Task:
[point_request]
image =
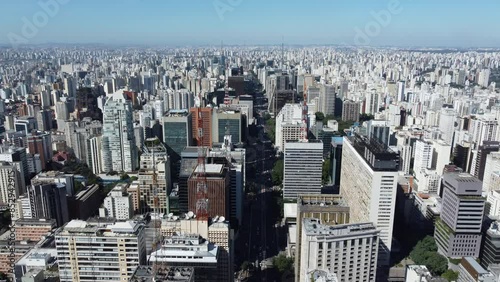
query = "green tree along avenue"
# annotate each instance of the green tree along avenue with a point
(271, 128)
(425, 253)
(277, 172)
(325, 178)
(283, 263)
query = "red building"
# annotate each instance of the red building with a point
(218, 190)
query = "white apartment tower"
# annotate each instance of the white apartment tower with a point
(447, 118)
(288, 125)
(423, 158)
(349, 250)
(368, 184)
(118, 204)
(118, 142)
(303, 169)
(94, 154)
(100, 251)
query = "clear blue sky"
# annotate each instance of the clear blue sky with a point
(457, 23)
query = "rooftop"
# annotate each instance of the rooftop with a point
(314, 227)
(164, 274)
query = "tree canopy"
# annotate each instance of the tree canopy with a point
(450, 275)
(425, 253)
(326, 171)
(277, 172)
(320, 116)
(283, 263)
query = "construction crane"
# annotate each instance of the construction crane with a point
(201, 178)
(304, 116)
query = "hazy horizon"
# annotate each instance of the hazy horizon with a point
(398, 23)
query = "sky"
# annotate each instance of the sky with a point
(424, 23)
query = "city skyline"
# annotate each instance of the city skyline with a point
(400, 23)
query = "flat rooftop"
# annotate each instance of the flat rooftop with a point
(179, 274)
(211, 169)
(314, 227)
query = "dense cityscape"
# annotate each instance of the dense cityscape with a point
(248, 162)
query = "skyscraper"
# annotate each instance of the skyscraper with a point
(349, 250)
(447, 118)
(177, 132)
(368, 184)
(90, 251)
(458, 232)
(218, 190)
(327, 99)
(48, 200)
(118, 142)
(350, 111)
(155, 163)
(302, 169)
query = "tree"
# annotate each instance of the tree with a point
(425, 253)
(277, 172)
(283, 263)
(365, 117)
(78, 186)
(319, 116)
(326, 172)
(124, 176)
(450, 275)
(246, 265)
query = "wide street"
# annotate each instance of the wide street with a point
(258, 234)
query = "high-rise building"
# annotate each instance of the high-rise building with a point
(229, 119)
(177, 132)
(327, 99)
(447, 118)
(423, 158)
(288, 125)
(372, 102)
(350, 111)
(118, 204)
(490, 249)
(182, 249)
(303, 164)
(155, 163)
(368, 184)
(48, 200)
(348, 250)
(8, 170)
(94, 154)
(336, 159)
(206, 116)
(401, 91)
(458, 232)
(90, 251)
(40, 143)
(483, 151)
(330, 209)
(492, 165)
(216, 231)
(44, 120)
(118, 142)
(218, 189)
